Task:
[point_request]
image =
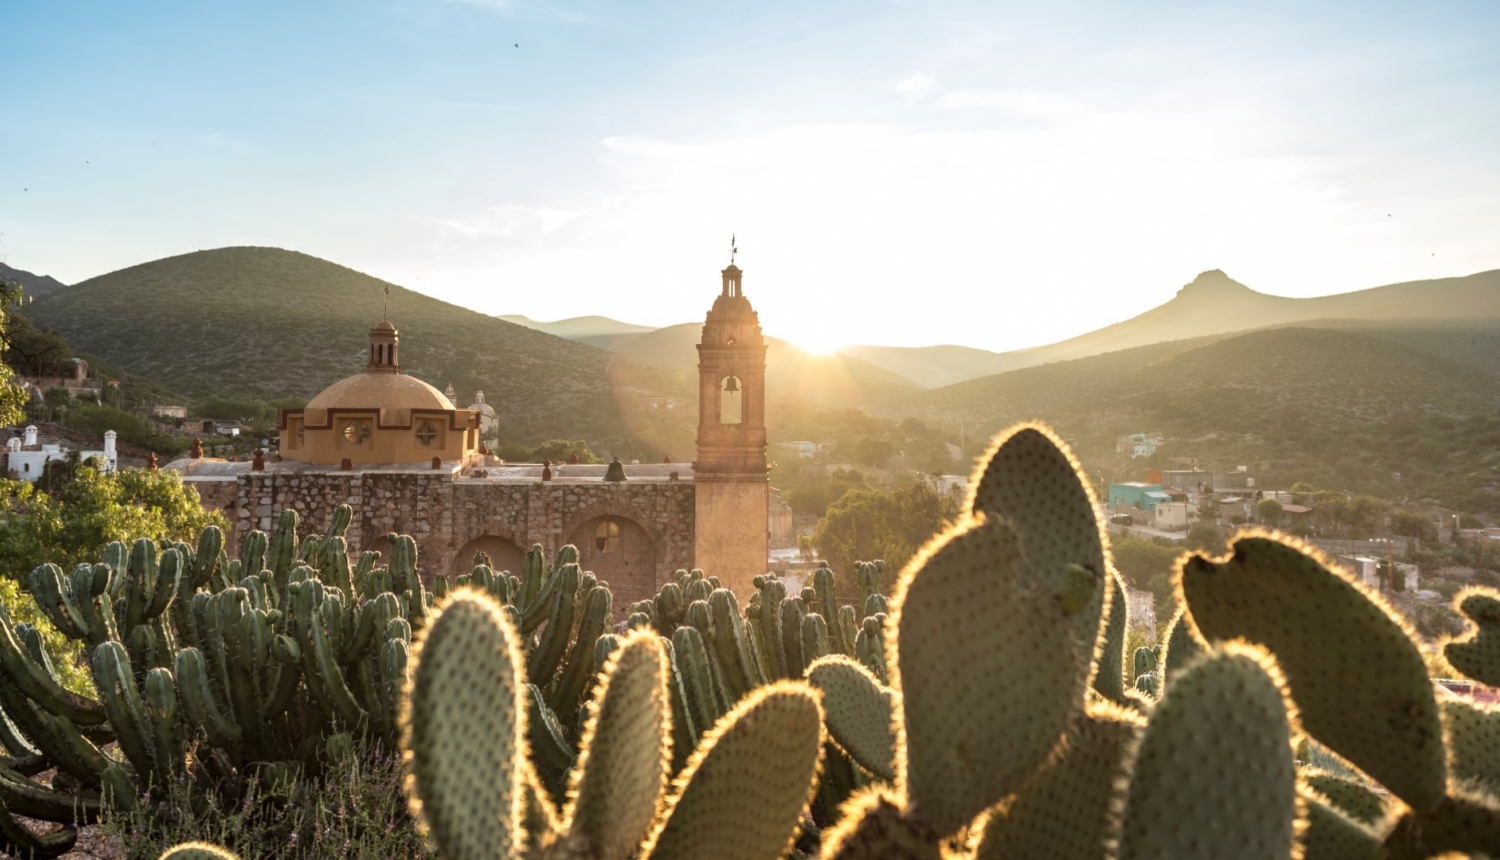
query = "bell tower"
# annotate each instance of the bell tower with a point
(729, 475)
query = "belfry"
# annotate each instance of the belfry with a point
(730, 472)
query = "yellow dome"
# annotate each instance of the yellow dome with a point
(383, 391)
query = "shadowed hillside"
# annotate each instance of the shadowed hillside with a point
(1363, 410)
(36, 286)
(272, 323)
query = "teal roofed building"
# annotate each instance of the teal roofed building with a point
(1134, 494)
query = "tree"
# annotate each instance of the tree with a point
(12, 396)
(560, 450)
(83, 510)
(1206, 538)
(1331, 508)
(1269, 511)
(1208, 509)
(1302, 493)
(867, 524)
(1365, 512)
(873, 452)
(34, 351)
(1414, 524)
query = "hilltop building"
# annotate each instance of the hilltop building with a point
(398, 451)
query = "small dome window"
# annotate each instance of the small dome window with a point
(357, 431)
(427, 433)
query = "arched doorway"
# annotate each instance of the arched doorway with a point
(504, 554)
(619, 552)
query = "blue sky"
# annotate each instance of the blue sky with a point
(994, 174)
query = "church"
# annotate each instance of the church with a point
(409, 461)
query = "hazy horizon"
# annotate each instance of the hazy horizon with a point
(896, 175)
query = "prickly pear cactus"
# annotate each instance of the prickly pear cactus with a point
(1477, 653)
(1307, 612)
(1229, 706)
(463, 719)
(858, 710)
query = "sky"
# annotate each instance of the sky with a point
(996, 174)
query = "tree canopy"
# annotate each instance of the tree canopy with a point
(866, 524)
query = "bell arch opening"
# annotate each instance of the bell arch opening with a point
(731, 401)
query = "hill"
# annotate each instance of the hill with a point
(36, 286)
(793, 375)
(271, 323)
(579, 328)
(1216, 304)
(931, 366)
(1342, 408)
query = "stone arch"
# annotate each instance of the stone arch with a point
(504, 553)
(619, 549)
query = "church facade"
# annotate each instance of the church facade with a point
(397, 450)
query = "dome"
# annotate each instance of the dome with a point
(383, 391)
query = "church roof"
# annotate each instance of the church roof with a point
(380, 391)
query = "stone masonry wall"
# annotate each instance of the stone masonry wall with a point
(443, 513)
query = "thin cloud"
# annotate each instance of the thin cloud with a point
(916, 86)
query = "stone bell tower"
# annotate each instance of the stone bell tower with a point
(731, 484)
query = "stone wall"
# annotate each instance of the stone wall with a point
(444, 513)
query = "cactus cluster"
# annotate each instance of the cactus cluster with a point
(991, 715)
(209, 669)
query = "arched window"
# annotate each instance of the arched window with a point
(731, 401)
(607, 538)
(427, 433)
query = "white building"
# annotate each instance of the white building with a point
(26, 460)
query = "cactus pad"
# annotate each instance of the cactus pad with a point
(1031, 479)
(1477, 653)
(1182, 647)
(1332, 835)
(872, 827)
(1184, 799)
(746, 786)
(858, 711)
(1473, 743)
(1063, 811)
(1349, 795)
(198, 851)
(625, 757)
(974, 640)
(464, 730)
(1378, 710)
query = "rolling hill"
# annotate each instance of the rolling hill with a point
(1215, 304)
(792, 374)
(36, 286)
(272, 323)
(579, 328)
(1363, 409)
(932, 366)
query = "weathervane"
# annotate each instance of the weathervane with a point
(732, 249)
